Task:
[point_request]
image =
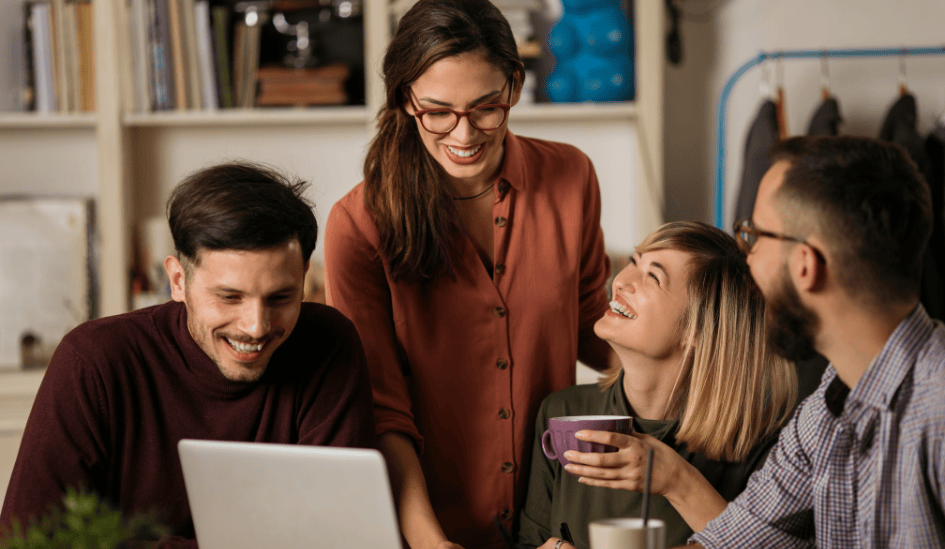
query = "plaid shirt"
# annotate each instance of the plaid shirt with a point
(861, 468)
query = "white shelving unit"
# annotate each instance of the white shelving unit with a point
(138, 157)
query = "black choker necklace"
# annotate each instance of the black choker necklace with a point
(476, 196)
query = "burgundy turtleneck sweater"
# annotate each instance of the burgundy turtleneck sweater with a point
(120, 392)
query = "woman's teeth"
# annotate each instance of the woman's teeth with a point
(620, 309)
(244, 347)
(464, 153)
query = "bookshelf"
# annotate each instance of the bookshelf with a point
(128, 161)
(139, 156)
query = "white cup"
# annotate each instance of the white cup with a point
(627, 533)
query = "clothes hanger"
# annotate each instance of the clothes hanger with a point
(764, 85)
(824, 78)
(779, 96)
(903, 86)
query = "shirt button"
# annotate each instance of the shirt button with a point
(502, 363)
(507, 467)
(499, 268)
(506, 514)
(499, 312)
(500, 221)
(504, 413)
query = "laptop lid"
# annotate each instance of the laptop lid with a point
(247, 495)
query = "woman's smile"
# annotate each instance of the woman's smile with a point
(465, 155)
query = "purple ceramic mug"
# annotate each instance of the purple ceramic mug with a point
(559, 437)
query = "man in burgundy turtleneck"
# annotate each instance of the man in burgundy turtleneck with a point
(235, 356)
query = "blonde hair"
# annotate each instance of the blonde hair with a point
(732, 391)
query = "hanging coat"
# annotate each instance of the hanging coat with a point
(762, 135)
(900, 127)
(826, 119)
(935, 148)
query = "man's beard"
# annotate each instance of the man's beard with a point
(790, 326)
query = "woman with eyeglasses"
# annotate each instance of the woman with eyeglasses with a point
(706, 395)
(472, 262)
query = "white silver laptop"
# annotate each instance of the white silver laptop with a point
(250, 495)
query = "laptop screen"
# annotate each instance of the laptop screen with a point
(247, 495)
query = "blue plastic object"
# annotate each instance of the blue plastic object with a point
(593, 48)
(581, 6)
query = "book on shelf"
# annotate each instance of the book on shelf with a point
(57, 61)
(14, 50)
(86, 51)
(140, 73)
(221, 51)
(28, 86)
(178, 60)
(60, 68)
(208, 79)
(191, 61)
(127, 87)
(39, 21)
(245, 63)
(282, 86)
(70, 49)
(203, 54)
(239, 44)
(161, 66)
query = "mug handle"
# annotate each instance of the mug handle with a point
(546, 446)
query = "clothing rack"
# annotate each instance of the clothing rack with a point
(779, 55)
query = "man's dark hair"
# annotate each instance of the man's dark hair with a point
(239, 206)
(870, 204)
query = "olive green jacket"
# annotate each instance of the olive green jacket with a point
(555, 496)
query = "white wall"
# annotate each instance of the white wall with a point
(734, 31)
(66, 165)
(329, 157)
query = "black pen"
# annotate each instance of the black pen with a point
(566, 533)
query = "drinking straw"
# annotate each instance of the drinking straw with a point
(646, 486)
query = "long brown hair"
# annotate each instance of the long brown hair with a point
(417, 222)
(732, 391)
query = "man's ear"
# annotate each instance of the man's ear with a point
(808, 270)
(176, 276)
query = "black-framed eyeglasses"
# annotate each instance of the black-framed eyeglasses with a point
(746, 234)
(441, 120)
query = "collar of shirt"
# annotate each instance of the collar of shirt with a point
(616, 403)
(886, 372)
(513, 165)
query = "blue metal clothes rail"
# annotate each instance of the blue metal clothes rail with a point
(786, 54)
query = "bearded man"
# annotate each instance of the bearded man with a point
(835, 243)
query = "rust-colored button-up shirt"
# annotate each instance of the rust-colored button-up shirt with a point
(462, 366)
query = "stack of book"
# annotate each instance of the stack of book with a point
(281, 86)
(60, 64)
(190, 54)
(177, 57)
